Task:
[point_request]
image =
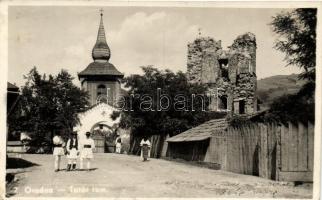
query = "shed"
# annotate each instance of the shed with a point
(192, 145)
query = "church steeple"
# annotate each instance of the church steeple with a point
(101, 51)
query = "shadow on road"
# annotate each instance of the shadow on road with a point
(16, 163)
(78, 170)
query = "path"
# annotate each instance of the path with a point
(126, 176)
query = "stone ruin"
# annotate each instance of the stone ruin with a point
(230, 75)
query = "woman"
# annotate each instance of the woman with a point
(58, 150)
(118, 144)
(145, 148)
(87, 147)
(72, 151)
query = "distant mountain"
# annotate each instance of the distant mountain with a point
(273, 87)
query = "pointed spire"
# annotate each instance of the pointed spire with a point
(101, 51)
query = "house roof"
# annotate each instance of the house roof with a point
(14, 143)
(100, 68)
(202, 132)
(11, 86)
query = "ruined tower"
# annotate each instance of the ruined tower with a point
(230, 75)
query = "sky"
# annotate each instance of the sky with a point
(55, 38)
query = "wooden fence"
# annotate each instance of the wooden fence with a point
(275, 151)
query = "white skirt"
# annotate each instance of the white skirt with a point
(86, 153)
(72, 154)
(58, 151)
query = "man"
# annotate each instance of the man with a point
(86, 150)
(118, 144)
(72, 151)
(145, 148)
(58, 150)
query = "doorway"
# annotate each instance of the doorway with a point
(242, 107)
(103, 138)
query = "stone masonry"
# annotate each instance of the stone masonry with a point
(230, 75)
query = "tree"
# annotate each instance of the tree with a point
(70, 100)
(48, 105)
(142, 113)
(293, 107)
(297, 38)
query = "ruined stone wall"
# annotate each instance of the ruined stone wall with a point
(245, 46)
(202, 57)
(221, 88)
(209, 67)
(245, 89)
(229, 73)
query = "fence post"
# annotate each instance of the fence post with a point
(293, 141)
(278, 151)
(302, 147)
(310, 146)
(224, 161)
(263, 152)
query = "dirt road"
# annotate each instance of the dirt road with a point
(126, 176)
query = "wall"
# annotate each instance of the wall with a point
(281, 152)
(197, 51)
(99, 113)
(231, 72)
(113, 92)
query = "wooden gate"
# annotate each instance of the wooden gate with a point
(296, 151)
(99, 141)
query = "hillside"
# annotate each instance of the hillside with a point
(273, 87)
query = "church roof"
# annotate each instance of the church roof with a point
(101, 50)
(98, 68)
(101, 54)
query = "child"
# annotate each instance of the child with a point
(58, 150)
(87, 147)
(145, 148)
(72, 151)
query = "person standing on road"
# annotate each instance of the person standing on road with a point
(145, 148)
(58, 150)
(118, 144)
(87, 147)
(72, 151)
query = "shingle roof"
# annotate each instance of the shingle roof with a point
(202, 132)
(14, 143)
(98, 68)
(12, 86)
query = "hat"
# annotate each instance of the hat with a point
(87, 133)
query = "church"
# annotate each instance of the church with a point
(102, 81)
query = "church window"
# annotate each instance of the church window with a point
(101, 90)
(102, 94)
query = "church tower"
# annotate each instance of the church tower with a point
(100, 78)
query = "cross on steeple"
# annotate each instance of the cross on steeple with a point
(101, 10)
(199, 32)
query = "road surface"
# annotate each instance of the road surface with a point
(127, 176)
